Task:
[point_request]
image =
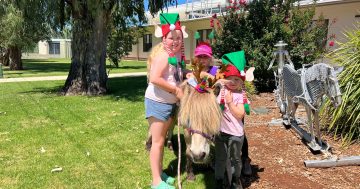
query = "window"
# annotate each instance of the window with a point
(147, 42)
(54, 47)
(203, 35)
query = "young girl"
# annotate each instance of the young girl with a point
(162, 93)
(204, 56)
(228, 144)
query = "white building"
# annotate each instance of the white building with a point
(196, 14)
(54, 48)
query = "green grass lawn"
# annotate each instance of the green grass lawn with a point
(98, 141)
(56, 67)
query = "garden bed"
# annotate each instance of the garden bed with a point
(278, 155)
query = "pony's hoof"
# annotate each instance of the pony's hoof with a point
(191, 177)
(170, 146)
(148, 145)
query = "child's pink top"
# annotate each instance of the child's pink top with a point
(156, 93)
(230, 124)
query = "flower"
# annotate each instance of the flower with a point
(331, 43)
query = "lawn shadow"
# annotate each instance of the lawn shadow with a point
(45, 90)
(126, 67)
(129, 88)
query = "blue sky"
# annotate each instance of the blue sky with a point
(146, 3)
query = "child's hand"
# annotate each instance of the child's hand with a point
(228, 97)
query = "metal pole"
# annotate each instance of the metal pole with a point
(333, 162)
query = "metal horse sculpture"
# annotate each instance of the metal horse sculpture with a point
(307, 86)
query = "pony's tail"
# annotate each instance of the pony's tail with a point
(154, 52)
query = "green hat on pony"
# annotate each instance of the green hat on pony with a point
(238, 60)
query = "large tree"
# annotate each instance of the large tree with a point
(22, 25)
(92, 21)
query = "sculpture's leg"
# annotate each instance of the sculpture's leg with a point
(288, 111)
(310, 123)
(317, 127)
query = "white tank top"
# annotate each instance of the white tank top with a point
(173, 77)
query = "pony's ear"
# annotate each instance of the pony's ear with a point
(158, 31)
(185, 35)
(250, 74)
(338, 70)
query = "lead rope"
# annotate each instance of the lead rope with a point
(179, 156)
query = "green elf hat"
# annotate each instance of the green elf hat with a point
(238, 60)
(170, 22)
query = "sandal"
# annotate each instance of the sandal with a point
(168, 179)
(163, 185)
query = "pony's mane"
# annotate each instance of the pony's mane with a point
(200, 110)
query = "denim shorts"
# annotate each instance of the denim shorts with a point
(159, 110)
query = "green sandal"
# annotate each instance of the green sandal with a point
(168, 179)
(163, 185)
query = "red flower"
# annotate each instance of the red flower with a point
(331, 43)
(242, 2)
(214, 16)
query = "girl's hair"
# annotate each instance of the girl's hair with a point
(154, 52)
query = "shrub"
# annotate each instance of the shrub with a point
(258, 26)
(345, 120)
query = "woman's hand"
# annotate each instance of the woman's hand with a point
(178, 93)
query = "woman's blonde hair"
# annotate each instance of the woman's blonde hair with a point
(154, 52)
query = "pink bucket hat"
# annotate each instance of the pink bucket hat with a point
(203, 49)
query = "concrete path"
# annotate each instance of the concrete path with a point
(53, 78)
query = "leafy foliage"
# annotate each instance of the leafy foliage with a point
(345, 120)
(22, 24)
(258, 26)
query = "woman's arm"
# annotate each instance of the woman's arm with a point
(159, 66)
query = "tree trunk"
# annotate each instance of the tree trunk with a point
(4, 59)
(87, 75)
(15, 58)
